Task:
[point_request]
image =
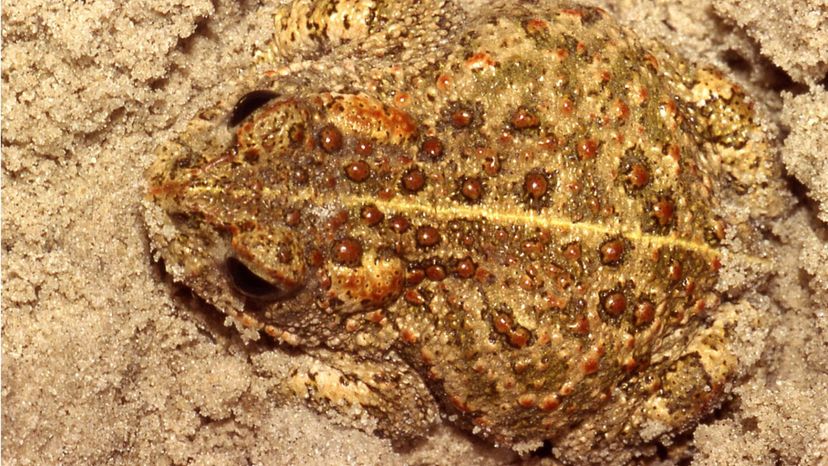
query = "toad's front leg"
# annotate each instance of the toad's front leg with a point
(307, 29)
(382, 392)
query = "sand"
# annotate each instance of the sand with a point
(104, 361)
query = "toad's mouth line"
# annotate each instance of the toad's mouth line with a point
(501, 216)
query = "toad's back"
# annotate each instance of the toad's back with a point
(527, 220)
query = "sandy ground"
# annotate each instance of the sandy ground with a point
(105, 362)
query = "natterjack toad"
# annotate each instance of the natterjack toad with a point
(510, 214)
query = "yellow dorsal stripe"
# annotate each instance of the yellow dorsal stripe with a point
(513, 217)
(498, 216)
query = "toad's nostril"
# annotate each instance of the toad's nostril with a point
(250, 284)
(248, 104)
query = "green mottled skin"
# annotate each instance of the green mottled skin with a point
(513, 321)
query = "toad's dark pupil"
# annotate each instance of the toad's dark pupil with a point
(248, 104)
(250, 284)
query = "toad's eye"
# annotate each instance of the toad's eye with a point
(250, 284)
(248, 104)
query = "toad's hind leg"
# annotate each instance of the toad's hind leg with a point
(382, 395)
(749, 170)
(730, 124)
